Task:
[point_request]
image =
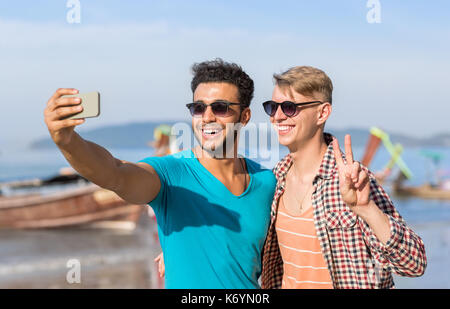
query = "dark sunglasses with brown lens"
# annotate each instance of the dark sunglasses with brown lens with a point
(219, 108)
(289, 108)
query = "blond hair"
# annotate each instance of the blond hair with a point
(307, 81)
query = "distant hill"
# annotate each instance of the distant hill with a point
(137, 135)
(359, 138)
(132, 135)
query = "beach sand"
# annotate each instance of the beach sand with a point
(124, 259)
(108, 258)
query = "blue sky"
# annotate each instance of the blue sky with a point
(137, 54)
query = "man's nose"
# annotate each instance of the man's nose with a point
(208, 115)
(279, 115)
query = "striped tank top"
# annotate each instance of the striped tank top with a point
(303, 263)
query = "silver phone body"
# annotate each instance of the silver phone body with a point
(91, 105)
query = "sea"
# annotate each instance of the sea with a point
(124, 258)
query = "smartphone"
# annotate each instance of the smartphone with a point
(90, 103)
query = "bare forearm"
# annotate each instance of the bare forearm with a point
(377, 220)
(137, 183)
(92, 161)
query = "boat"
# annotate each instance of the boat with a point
(77, 205)
(375, 138)
(439, 189)
(425, 191)
(164, 143)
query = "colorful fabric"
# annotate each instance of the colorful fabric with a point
(303, 264)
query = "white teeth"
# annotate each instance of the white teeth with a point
(211, 131)
(283, 128)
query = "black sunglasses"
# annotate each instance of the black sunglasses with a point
(219, 108)
(289, 108)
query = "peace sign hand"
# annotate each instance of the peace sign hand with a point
(353, 181)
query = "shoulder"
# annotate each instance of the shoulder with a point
(185, 154)
(260, 171)
(168, 162)
(280, 169)
(255, 166)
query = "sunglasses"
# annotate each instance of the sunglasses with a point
(289, 108)
(219, 108)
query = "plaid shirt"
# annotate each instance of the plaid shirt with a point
(353, 254)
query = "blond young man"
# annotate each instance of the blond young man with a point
(332, 225)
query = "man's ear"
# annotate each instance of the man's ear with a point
(324, 112)
(245, 116)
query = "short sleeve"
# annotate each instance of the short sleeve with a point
(160, 165)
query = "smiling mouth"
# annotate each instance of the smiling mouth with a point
(283, 129)
(210, 133)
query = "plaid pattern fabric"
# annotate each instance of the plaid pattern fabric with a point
(354, 256)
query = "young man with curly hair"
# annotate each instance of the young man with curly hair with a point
(212, 207)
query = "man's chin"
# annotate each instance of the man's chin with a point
(215, 147)
(215, 150)
(211, 148)
(285, 141)
(207, 145)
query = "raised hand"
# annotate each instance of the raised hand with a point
(353, 181)
(58, 107)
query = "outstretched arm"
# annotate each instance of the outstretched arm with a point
(136, 183)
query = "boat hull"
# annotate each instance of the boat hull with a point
(425, 192)
(80, 206)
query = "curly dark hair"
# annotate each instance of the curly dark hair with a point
(220, 71)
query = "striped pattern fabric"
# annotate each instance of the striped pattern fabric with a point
(354, 256)
(303, 264)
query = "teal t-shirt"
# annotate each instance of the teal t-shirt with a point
(210, 238)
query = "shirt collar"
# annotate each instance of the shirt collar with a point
(326, 167)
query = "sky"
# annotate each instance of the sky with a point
(394, 74)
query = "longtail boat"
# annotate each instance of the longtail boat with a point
(425, 191)
(440, 191)
(81, 205)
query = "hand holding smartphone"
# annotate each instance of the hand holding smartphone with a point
(90, 103)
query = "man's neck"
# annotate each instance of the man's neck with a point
(229, 164)
(308, 156)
